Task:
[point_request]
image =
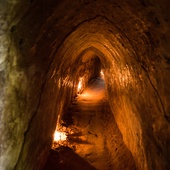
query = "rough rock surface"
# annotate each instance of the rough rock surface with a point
(95, 135)
(42, 48)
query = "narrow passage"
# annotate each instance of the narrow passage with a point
(93, 135)
(88, 121)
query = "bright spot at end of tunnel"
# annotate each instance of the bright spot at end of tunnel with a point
(59, 136)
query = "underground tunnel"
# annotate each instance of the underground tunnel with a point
(84, 84)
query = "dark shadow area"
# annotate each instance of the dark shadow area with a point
(64, 158)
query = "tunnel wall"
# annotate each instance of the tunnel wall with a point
(125, 76)
(135, 56)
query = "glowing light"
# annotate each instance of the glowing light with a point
(59, 136)
(80, 85)
(101, 73)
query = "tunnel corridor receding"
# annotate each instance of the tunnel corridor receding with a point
(92, 135)
(48, 47)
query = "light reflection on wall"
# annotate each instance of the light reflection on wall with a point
(102, 74)
(80, 85)
(59, 136)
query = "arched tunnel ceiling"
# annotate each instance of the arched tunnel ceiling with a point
(125, 72)
(132, 41)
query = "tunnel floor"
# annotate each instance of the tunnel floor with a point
(94, 140)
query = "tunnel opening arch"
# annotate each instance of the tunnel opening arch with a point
(124, 76)
(114, 58)
(85, 55)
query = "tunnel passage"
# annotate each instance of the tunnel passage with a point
(88, 67)
(88, 126)
(91, 133)
(42, 44)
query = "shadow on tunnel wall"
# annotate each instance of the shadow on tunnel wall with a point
(64, 158)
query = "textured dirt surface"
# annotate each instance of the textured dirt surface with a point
(46, 46)
(94, 135)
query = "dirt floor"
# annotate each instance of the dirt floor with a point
(93, 138)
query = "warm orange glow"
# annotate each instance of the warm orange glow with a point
(101, 73)
(59, 136)
(80, 85)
